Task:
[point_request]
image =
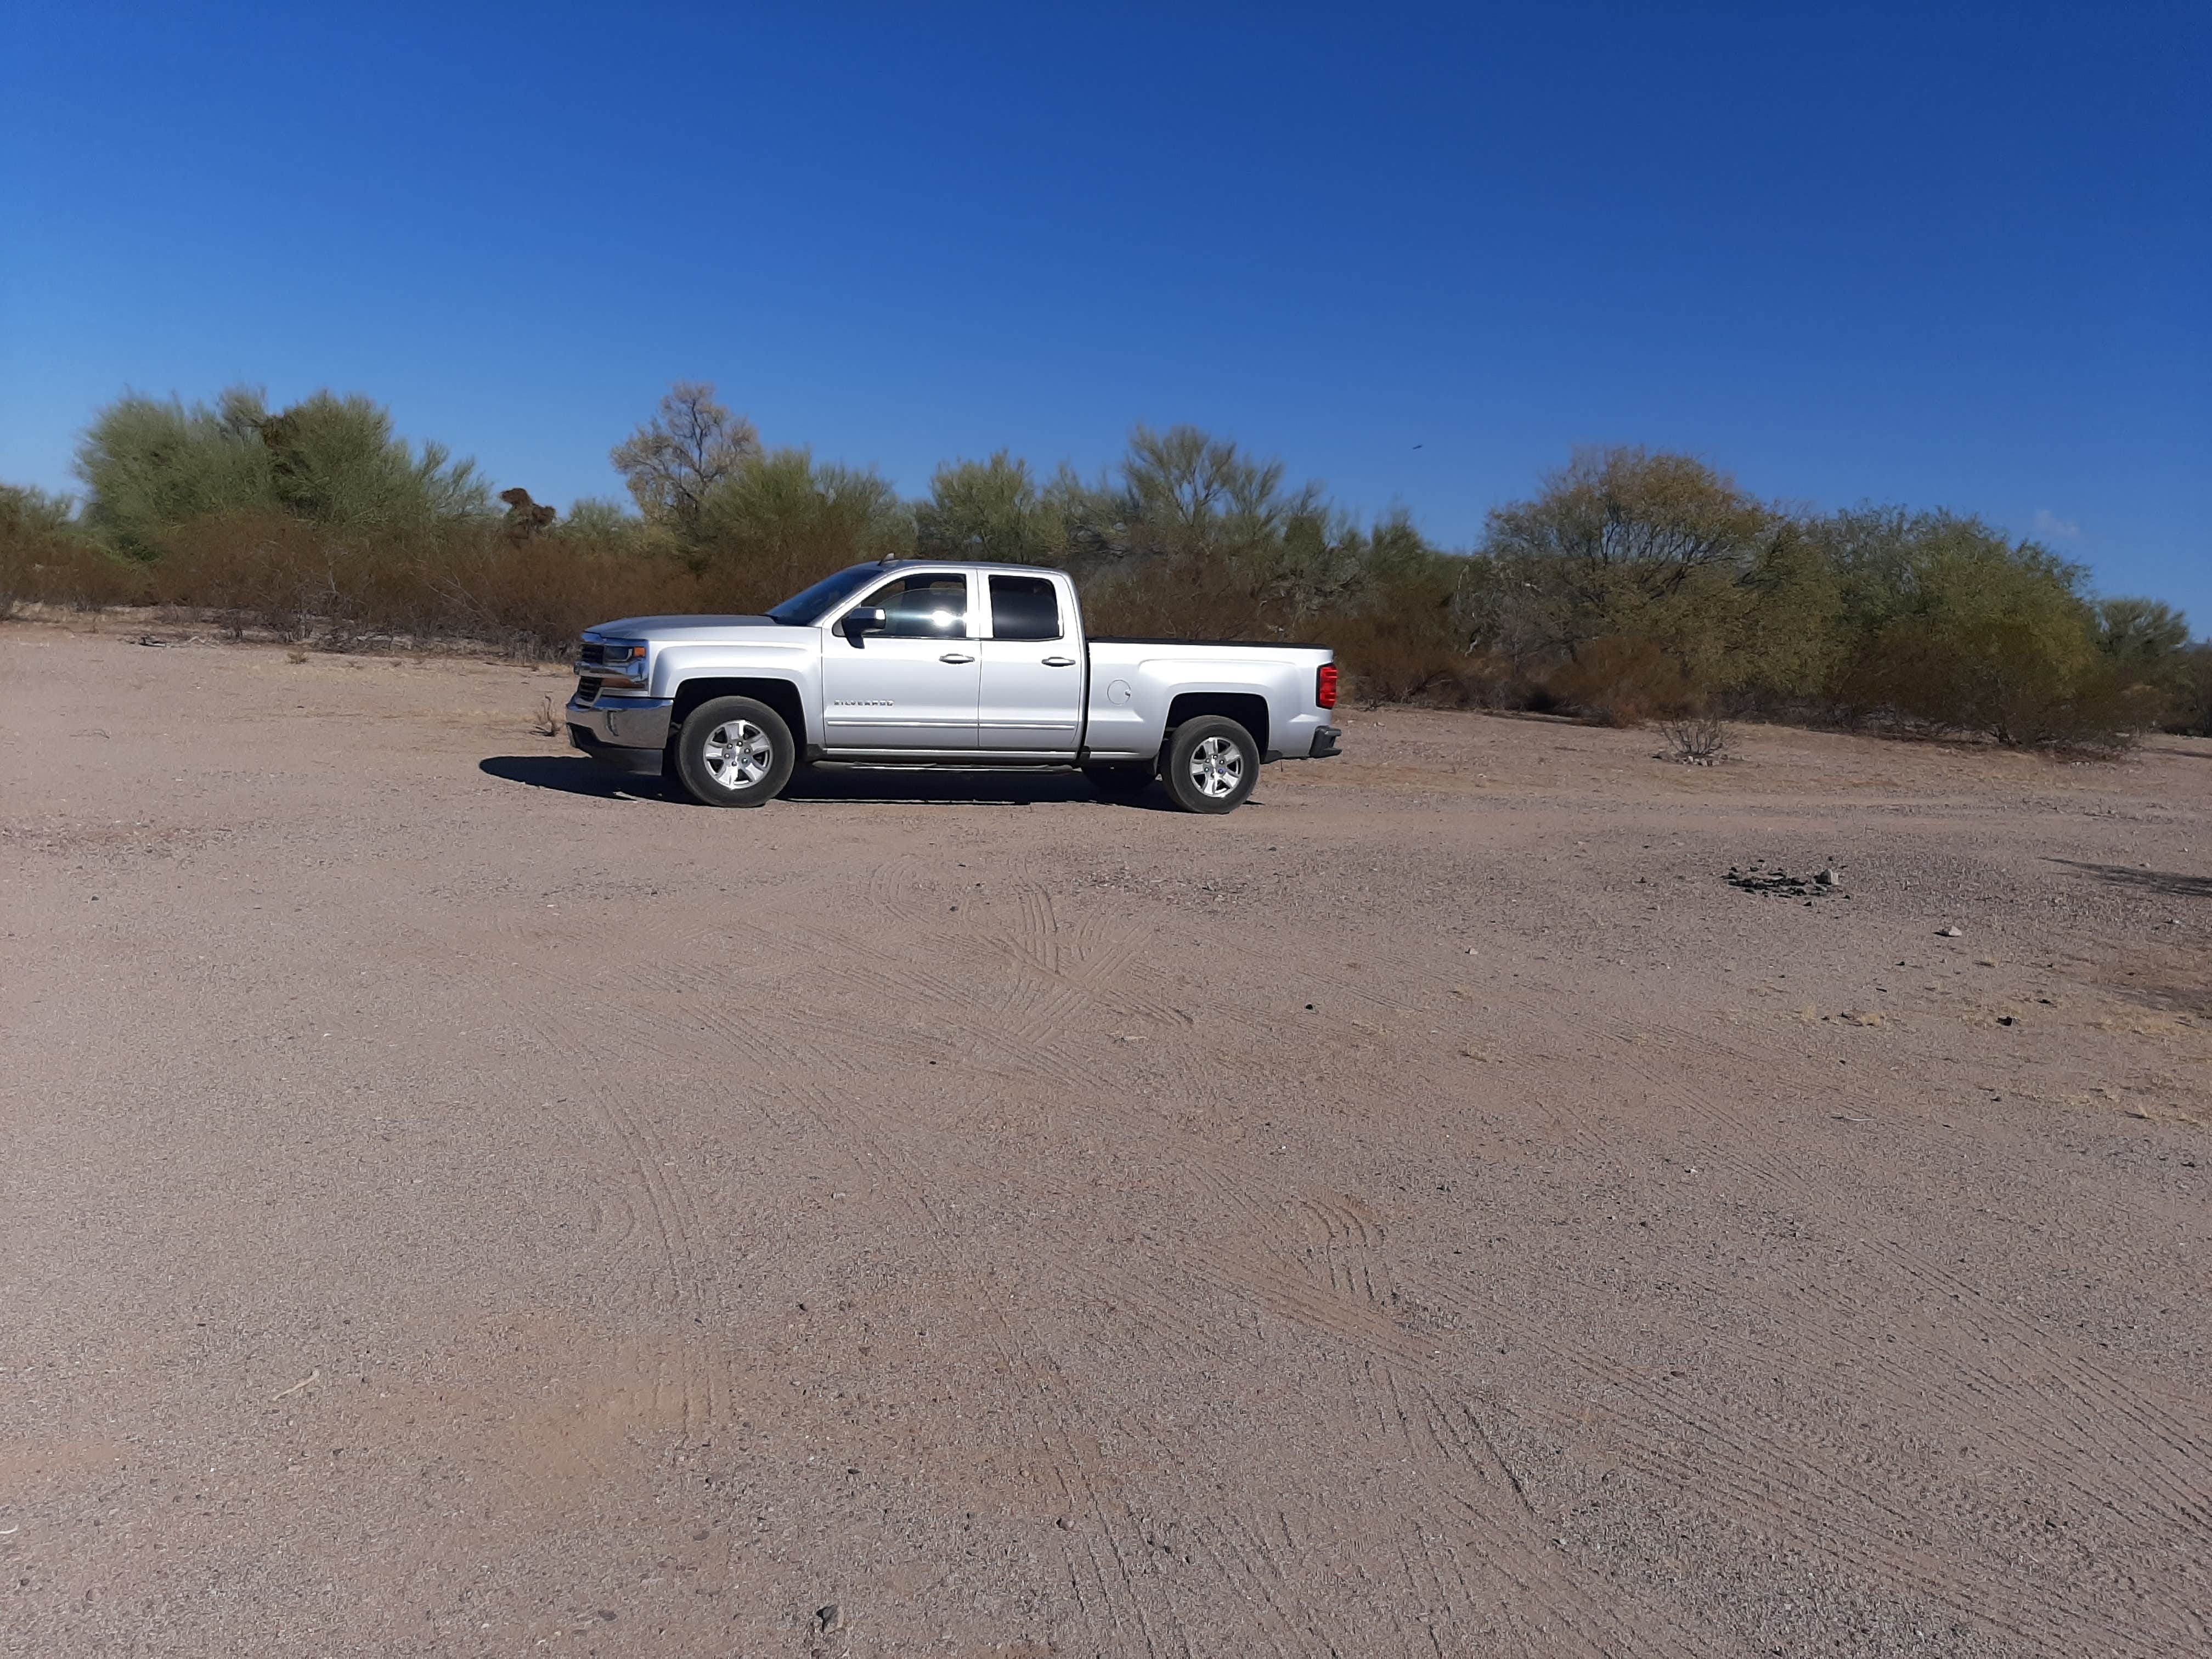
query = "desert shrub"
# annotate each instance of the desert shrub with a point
(594, 519)
(336, 461)
(46, 555)
(1191, 538)
(988, 510)
(782, 521)
(1621, 681)
(465, 581)
(2147, 644)
(1695, 739)
(1633, 584)
(1633, 580)
(1949, 626)
(150, 466)
(2189, 706)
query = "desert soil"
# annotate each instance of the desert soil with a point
(454, 1206)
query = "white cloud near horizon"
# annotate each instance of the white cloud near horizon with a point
(2047, 523)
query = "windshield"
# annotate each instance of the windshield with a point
(804, 610)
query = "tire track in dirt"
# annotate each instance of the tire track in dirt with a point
(810, 1101)
(891, 1174)
(1336, 1309)
(2092, 1410)
(655, 1196)
(1317, 1262)
(1734, 1455)
(1351, 1321)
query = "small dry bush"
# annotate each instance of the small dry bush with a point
(1695, 739)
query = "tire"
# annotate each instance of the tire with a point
(733, 752)
(1212, 764)
(1120, 780)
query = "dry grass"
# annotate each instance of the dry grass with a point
(268, 575)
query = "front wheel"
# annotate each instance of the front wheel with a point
(734, 752)
(1212, 764)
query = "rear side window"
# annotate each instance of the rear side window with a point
(1023, 608)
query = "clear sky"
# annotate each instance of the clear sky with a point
(1928, 253)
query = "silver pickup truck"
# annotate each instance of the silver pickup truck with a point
(934, 663)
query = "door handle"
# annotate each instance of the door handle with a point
(956, 656)
(1060, 662)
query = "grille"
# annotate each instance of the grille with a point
(587, 689)
(593, 652)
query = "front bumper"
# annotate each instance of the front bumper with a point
(611, 722)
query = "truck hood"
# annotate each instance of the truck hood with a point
(671, 629)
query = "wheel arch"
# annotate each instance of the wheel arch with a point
(782, 695)
(1248, 708)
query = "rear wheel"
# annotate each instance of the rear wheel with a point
(1212, 764)
(733, 752)
(1118, 781)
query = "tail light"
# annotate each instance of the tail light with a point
(1325, 686)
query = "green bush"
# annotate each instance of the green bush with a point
(987, 511)
(780, 520)
(1662, 559)
(150, 466)
(1949, 626)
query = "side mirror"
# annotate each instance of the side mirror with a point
(859, 620)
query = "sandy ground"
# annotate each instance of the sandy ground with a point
(453, 1206)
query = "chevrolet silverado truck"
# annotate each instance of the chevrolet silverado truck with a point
(922, 663)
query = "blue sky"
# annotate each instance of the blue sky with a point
(1942, 255)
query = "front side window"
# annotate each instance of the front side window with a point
(1023, 608)
(931, 605)
(807, 609)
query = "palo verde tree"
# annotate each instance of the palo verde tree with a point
(1654, 557)
(780, 520)
(988, 510)
(675, 460)
(1948, 624)
(150, 465)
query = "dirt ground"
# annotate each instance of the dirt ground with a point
(454, 1206)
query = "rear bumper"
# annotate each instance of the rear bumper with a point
(630, 732)
(1324, 743)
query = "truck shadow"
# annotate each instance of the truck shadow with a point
(880, 786)
(572, 774)
(2170, 883)
(949, 785)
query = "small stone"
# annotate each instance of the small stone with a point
(1829, 879)
(2007, 1019)
(829, 1619)
(1950, 933)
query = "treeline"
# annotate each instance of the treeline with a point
(1629, 585)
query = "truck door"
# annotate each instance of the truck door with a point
(1032, 681)
(911, 683)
